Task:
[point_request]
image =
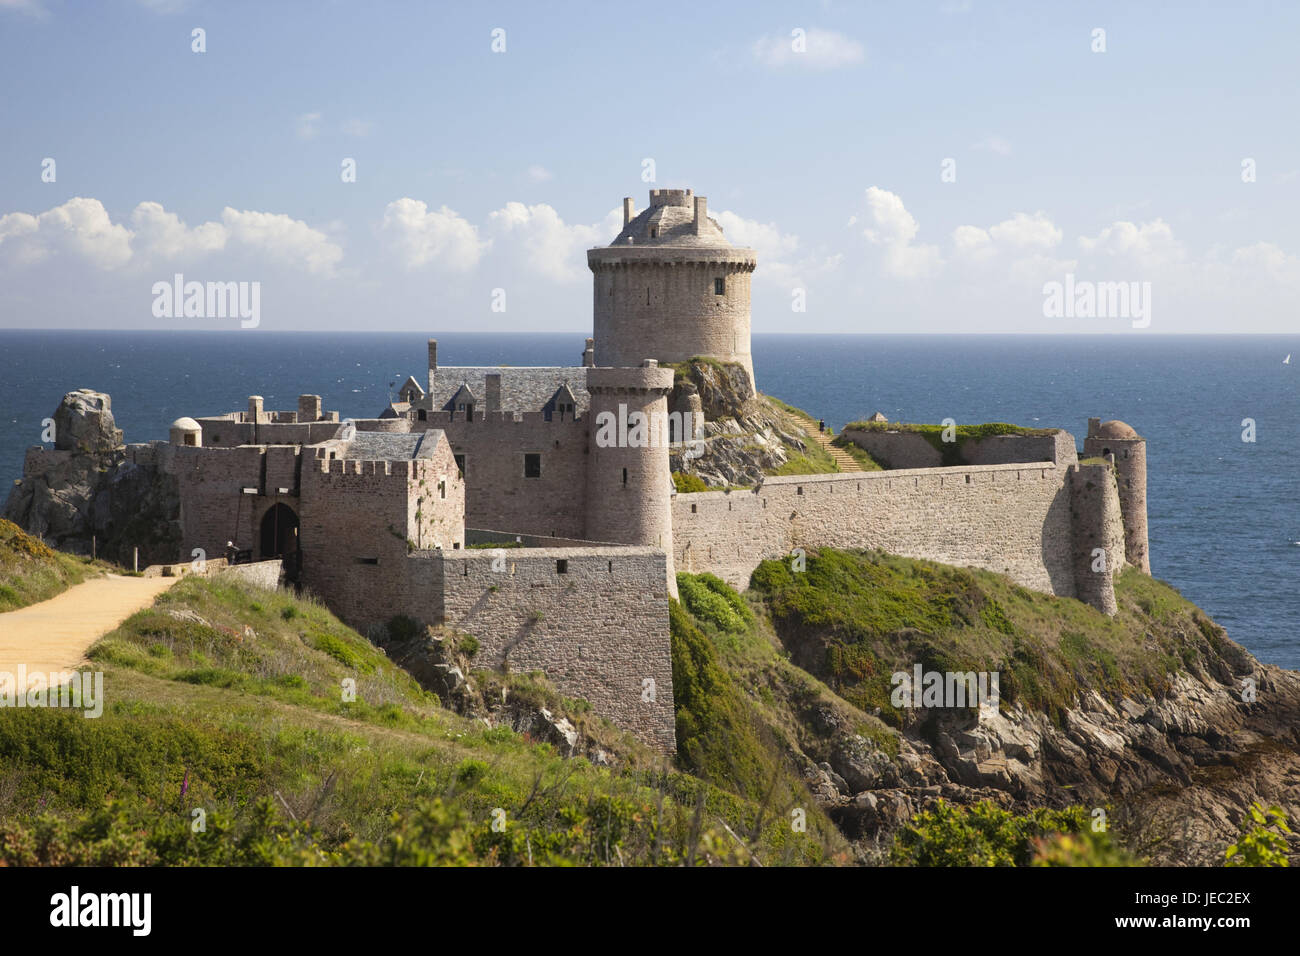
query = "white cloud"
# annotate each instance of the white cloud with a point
(764, 238)
(158, 234)
(356, 127)
(972, 242)
(307, 126)
(778, 259)
(1147, 245)
(1266, 258)
(1023, 229)
(282, 239)
(814, 50)
(993, 144)
(546, 244)
(895, 228)
(80, 227)
(420, 236)
(538, 174)
(31, 7)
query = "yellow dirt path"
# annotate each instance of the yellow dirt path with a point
(55, 634)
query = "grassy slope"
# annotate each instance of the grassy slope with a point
(31, 572)
(250, 726)
(853, 619)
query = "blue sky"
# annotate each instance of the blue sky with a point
(479, 170)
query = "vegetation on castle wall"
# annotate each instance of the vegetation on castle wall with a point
(31, 571)
(950, 450)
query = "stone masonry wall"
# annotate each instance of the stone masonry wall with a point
(214, 508)
(357, 518)
(904, 449)
(497, 495)
(1013, 519)
(598, 628)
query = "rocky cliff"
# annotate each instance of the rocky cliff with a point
(744, 437)
(1154, 718)
(89, 486)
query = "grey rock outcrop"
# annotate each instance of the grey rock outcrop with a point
(89, 485)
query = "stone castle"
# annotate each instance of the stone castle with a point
(535, 507)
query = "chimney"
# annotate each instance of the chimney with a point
(309, 408)
(701, 213)
(629, 210)
(589, 354)
(254, 408)
(433, 363)
(493, 396)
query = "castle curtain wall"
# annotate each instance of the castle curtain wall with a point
(1013, 519)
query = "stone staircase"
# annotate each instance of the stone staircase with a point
(843, 459)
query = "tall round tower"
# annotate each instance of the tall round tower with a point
(1130, 452)
(671, 287)
(629, 481)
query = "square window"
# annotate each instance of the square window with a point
(562, 566)
(720, 286)
(532, 466)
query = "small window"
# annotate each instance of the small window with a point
(720, 286)
(654, 232)
(423, 415)
(191, 439)
(460, 465)
(693, 507)
(625, 476)
(460, 407)
(611, 567)
(367, 560)
(562, 566)
(532, 466)
(442, 489)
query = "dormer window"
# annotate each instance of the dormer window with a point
(720, 286)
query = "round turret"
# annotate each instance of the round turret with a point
(671, 287)
(186, 431)
(1129, 450)
(629, 480)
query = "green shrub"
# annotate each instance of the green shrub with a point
(987, 835)
(1260, 845)
(711, 601)
(686, 483)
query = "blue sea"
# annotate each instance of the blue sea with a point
(1224, 521)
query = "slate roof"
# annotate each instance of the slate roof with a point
(523, 389)
(384, 446)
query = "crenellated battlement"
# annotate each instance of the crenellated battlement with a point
(670, 197)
